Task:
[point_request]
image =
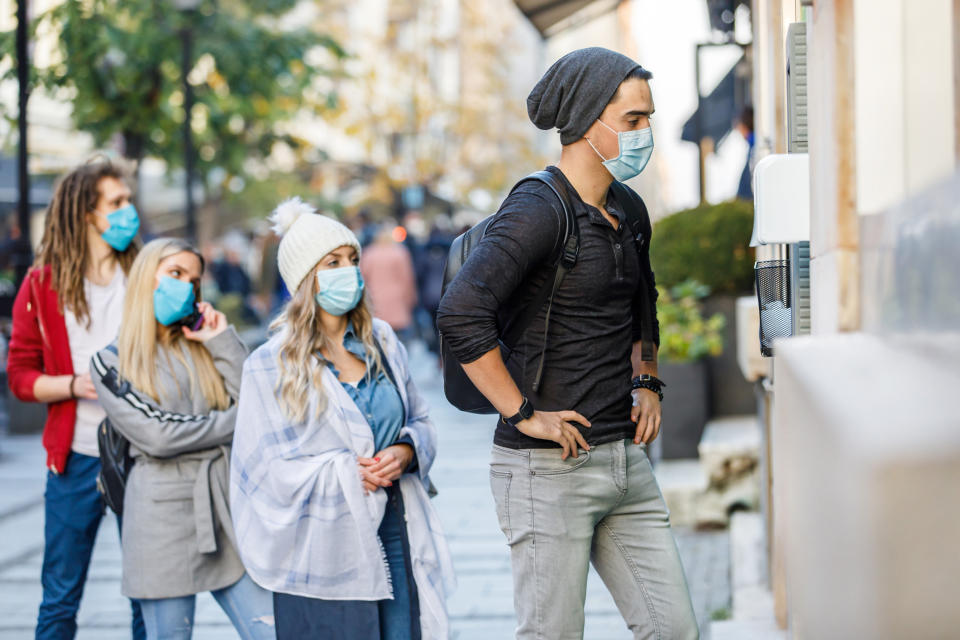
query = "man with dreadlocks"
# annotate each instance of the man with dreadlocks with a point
(68, 308)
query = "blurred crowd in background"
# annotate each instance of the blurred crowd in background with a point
(402, 266)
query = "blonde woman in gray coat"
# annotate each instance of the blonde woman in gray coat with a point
(170, 385)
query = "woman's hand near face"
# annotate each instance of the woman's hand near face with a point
(214, 323)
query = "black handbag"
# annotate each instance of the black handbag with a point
(115, 464)
(115, 460)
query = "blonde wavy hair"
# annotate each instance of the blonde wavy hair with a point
(300, 363)
(141, 334)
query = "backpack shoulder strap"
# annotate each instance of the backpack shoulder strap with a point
(636, 213)
(570, 240)
(569, 250)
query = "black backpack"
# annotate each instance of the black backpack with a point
(459, 390)
(115, 461)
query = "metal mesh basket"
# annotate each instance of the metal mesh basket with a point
(776, 308)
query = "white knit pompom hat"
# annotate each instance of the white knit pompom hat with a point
(306, 236)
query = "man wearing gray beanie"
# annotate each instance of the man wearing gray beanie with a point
(577, 392)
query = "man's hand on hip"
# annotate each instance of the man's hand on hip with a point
(555, 426)
(646, 415)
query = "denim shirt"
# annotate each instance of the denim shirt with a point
(376, 398)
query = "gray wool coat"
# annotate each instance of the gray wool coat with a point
(177, 535)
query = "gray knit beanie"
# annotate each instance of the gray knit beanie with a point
(573, 93)
(306, 237)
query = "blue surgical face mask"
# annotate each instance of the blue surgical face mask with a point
(339, 290)
(635, 148)
(173, 300)
(124, 225)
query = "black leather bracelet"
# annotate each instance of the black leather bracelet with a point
(652, 383)
(650, 386)
(73, 394)
(646, 377)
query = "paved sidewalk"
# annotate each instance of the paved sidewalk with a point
(481, 609)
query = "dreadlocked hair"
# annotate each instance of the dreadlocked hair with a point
(64, 243)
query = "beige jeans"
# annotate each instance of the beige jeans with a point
(603, 507)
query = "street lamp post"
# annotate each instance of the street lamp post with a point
(23, 253)
(187, 7)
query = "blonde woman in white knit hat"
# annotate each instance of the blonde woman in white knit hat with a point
(331, 455)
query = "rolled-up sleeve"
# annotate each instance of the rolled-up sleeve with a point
(519, 239)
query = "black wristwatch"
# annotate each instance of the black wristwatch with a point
(525, 413)
(652, 383)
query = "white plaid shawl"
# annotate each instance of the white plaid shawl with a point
(304, 525)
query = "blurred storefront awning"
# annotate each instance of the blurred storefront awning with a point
(546, 13)
(718, 110)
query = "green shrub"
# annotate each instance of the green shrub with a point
(709, 244)
(720, 614)
(685, 336)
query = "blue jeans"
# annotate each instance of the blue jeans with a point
(73, 511)
(248, 605)
(398, 619)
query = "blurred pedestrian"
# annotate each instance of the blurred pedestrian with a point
(169, 384)
(569, 470)
(68, 307)
(388, 273)
(233, 282)
(430, 263)
(269, 286)
(331, 455)
(10, 257)
(362, 227)
(745, 127)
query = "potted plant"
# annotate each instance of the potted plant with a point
(686, 339)
(711, 244)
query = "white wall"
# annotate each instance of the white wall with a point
(904, 98)
(866, 479)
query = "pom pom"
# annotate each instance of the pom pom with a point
(287, 213)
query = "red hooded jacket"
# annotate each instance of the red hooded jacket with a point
(39, 345)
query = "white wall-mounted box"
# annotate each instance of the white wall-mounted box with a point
(781, 199)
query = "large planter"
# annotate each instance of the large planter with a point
(730, 394)
(686, 402)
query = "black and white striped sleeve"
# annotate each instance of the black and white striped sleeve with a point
(153, 429)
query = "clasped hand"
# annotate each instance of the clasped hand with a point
(385, 466)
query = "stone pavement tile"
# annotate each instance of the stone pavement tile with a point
(604, 626)
(22, 535)
(22, 472)
(746, 630)
(104, 612)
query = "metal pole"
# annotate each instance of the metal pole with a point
(699, 131)
(187, 37)
(23, 252)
